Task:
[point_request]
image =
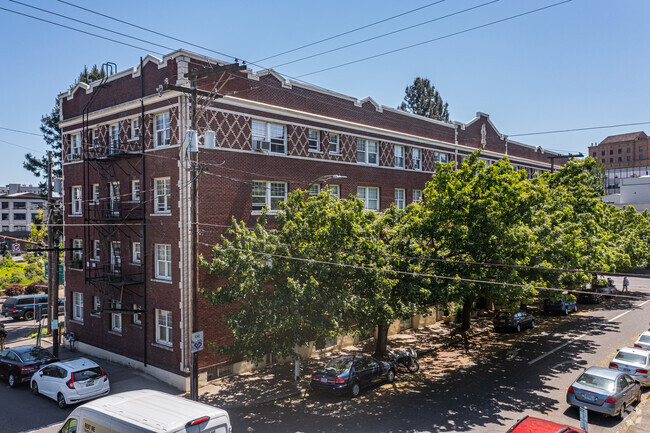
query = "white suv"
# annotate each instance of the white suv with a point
(71, 381)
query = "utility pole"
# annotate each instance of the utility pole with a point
(53, 265)
(568, 155)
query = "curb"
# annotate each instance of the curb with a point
(630, 420)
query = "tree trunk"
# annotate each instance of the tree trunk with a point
(382, 339)
(467, 314)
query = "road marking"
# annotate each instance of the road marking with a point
(619, 316)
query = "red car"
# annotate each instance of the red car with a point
(530, 424)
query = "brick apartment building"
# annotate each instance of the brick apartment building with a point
(127, 189)
(624, 156)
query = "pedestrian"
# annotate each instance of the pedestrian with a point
(626, 283)
(3, 336)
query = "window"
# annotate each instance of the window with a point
(269, 136)
(417, 195)
(620, 159)
(314, 140)
(20, 217)
(369, 196)
(5, 217)
(640, 156)
(95, 137)
(444, 157)
(20, 228)
(594, 154)
(114, 138)
(136, 253)
(97, 306)
(115, 197)
(76, 200)
(95, 194)
(400, 198)
(334, 190)
(116, 318)
(602, 153)
(5, 228)
(77, 254)
(95, 255)
(164, 327)
(399, 156)
(135, 129)
(620, 151)
(268, 195)
(611, 151)
(333, 143)
(162, 194)
(116, 257)
(628, 158)
(629, 150)
(314, 189)
(137, 317)
(612, 159)
(367, 152)
(163, 262)
(75, 146)
(603, 160)
(77, 306)
(20, 205)
(5, 205)
(417, 159)
(135, 190)
(161, 131)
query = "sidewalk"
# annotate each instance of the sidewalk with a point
(636, 423)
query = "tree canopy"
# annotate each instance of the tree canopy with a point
(422, 98)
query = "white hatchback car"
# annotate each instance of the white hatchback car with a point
(633, 361)
(71, 381)
(643, 342)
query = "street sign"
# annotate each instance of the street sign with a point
(15, 247)
(197, 341)
(583, 418)
(60, 273)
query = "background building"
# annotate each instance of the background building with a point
(624, 156)
(127, 176)
(18, 210)
(14, 188)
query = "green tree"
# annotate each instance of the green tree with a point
(422, 98)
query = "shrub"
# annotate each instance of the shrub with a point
(16, 277)
(34, 289)
(33, 270)
(14, 290)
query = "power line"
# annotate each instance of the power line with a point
(491, 23)
(22, 147)
(19, 131)
(384, 34)
(588, 128)
(350, 31)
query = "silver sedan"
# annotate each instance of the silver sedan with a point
(604, 390)
(633, 361)
(643, 342)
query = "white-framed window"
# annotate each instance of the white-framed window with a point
(164, 327)
(370, 197)
(97, 305)
(314, 140)
(95, 255)
(162, 195)
(399, 156)
(135, 190)
(314, 190)
(116, 257)
(76, 200)
(270, 137)
(77, 252)
(334, 190)
(95, 137)
(163, 259)
(95, 199)
(333, 143)
(417, 158)
(136, 252)
(115, 197)
(114, 136)
(268, 195)
(417, 195)
(400, 198)
(75, 146)
(161, 130)
(441, 157)
(367, 152)
(135, 129)
(116, 318)
(78, 306)
(137, 317)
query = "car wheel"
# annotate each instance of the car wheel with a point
(60, 400)
(566, 311)
(390, 376)
(34, 388)
(575, 309)
(355, 390)
(518, 327)
(532, 324)
(621, 413)
(12, 380)
(29, 315)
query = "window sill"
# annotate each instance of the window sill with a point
(96, 315)
(75, 215)
(118, 333)
(163, 346)
(135, 264)
(158, 280)
(165, 214)
(315, 150)
(269, 212)
(75, 269)
(77, 321)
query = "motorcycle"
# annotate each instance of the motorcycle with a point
(404, 359)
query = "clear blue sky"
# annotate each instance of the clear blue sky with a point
(580, 64)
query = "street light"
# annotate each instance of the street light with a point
(325, 178)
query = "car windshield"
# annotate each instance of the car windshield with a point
(338, 366)
(644, 339)
(597, 382)
(632, 358)
(36, 355)
(89, 373)
(504, 315)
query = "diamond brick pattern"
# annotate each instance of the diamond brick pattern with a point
(348, 146)
(386, 154)
(428, 160)
(297, 139)
(232, 131)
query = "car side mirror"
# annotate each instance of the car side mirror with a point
(40, 373)
(637, 381)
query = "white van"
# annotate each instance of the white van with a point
(146, 411)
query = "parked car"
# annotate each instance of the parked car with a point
(17, 364)
(26, 306)
(604, 390)
(517, 321)
(609, 289)
(589, 298)
(562, 307)
(349, 374)
(530, 424)
(643, 342)
(71, 381)
(633, 361)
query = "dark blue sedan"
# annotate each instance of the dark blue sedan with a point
(349, 374)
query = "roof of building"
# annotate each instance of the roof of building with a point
(22, 195)
(624, 137)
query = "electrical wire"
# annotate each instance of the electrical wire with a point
(22, 132)
(449, 35)
(23, 147)
(588, 128)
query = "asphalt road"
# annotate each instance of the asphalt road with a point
(530, 378)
